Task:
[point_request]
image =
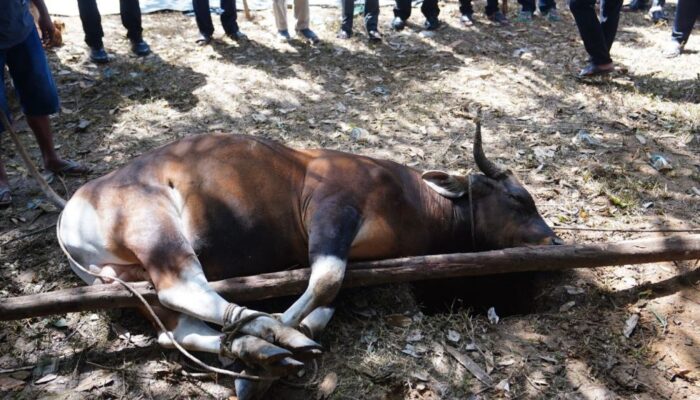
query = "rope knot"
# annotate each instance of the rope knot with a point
(234, 321)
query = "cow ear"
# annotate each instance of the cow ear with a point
(446, 185)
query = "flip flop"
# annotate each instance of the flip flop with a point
(5, 198)
(71, 168)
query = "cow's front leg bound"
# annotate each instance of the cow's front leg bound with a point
(327, 274)
(260, 340)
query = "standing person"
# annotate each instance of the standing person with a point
(301, 13)
(402, 11)
(598, 34)
(371, 16)
(92, 26)
(229, 22)
(687, 12)
(22, 52)
(492, 12)
(548, 9)
(656, 12)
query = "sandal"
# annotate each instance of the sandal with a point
(5, 197)
(71, 168)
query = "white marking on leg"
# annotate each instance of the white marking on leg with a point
(327, 274)
(191, 294)
(194, 335)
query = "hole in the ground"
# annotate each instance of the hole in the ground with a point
(510, 294)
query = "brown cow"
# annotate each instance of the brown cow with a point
(211, 207)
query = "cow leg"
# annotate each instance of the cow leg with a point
(332, 229)
(316, 321)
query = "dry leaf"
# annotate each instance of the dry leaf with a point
(9, 384)
(94, 380)
(398, 320)
(327, 386)
(630, 324)
(46, 379)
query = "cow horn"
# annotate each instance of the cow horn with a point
(485, 165)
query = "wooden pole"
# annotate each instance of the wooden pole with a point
(277, 284)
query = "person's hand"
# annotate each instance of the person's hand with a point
(47, 28)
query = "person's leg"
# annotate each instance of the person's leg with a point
(229, 18)
(687, 12)
(5, 196)
(527, 5)
(402, 9)
(609, 19)
(546, 6)
(591, 31)
(491, 7)
(131, 19)
(202, 16)
(465, 7)
(430, 9)
(302, 14)
(37, 93)
(92, 23)
(279, 9)
(346, 14)
(371, 15)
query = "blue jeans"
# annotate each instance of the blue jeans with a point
(429, 9)
(371, 14)
(598, 34)
(545, 5)
(465, 7)
(686, 14)
(31, 76)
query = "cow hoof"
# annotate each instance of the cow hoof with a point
(285, 367)
(255, 351)
(250, 390)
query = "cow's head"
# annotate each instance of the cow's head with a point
(504, 213)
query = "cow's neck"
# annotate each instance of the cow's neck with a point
(447, 220)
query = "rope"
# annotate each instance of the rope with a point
(155, 317)
(233, 323)
(573, 228)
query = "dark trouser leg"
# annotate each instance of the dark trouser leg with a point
(609, 19)
(371, 14)
(465, 7)
(348, 6)
(203, 17)
(686, 14)
(546, 5)
(658, 3)
(491, 7)
(402, 9)
(430, 8)
(229, 16)
(131, 19)
(527, 5)
(92, 23)
(591, 30)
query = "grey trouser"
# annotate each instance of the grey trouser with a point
(301, 13)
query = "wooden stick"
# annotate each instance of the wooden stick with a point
(246, 11)
(277, 284)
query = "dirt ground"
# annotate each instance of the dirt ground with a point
(410, 100)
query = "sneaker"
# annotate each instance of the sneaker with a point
(284, 36)
(672, 49)
(140, 48)
(237, 36)
(343, 34)
(431, 24)
(498, 18)
(552, 15)
(592, 70)
(467, 19)
(398, 24)
(309, 35)
(524, 17)
(657, 14)
(374, 36)
(203, 39)
(98, 55)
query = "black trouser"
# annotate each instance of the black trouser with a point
(598, 34)
(92, 23)
(545, 5)
(203, 16)
(465, 7)
(686, 13)
(429, 9)
(371, 14)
